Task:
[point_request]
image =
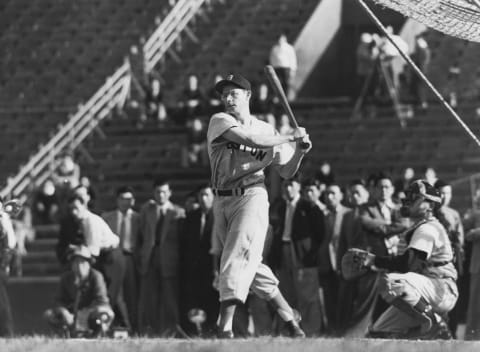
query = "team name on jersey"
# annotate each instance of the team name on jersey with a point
(257, 153)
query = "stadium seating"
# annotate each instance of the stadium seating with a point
(55, 55)
(447, 53)
(238, 37)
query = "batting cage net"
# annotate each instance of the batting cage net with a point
(458, 18)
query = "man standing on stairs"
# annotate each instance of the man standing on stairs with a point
(240, 147)
(284, 61)
(124, 221)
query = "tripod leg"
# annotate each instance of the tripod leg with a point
(363, 93)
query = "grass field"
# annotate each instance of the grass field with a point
(38, 344)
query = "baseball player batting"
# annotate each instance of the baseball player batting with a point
(240, 147)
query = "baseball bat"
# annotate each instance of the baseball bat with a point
(277, 87)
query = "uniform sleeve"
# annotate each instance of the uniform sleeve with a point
(219, 124)
(424, 239)
(282, 153)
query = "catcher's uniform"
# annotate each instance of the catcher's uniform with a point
(241, 208)
(434, 281)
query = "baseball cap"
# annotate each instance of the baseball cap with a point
(80, 252)
(234, 79)
(424, 189)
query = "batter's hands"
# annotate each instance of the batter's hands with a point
(302, 139)
(305, 144)
(299, 133)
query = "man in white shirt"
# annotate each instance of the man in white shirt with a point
(124, 221)
(284, 61)
(102, 243)
(97, 233)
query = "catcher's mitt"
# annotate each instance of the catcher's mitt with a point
(353, 263)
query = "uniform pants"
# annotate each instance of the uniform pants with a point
(241, 224)
(441, 294)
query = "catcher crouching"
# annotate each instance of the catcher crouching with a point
(420, 285)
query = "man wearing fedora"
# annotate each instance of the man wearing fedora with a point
(82, 303)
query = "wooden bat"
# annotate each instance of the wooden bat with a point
(277, 87)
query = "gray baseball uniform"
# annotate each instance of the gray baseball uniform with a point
(436, 284)
(241, 220)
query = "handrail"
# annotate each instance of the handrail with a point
(169, 30)
(102, 102)
(39, 161)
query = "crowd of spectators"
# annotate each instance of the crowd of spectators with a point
(148, 269)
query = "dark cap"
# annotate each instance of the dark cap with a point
(236, 80)
(424, 189)
(80, 252)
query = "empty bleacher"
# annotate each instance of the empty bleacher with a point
(56, 54)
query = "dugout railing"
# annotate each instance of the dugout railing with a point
(40, 165)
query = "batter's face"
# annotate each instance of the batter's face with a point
(162, 194)
(236, 100)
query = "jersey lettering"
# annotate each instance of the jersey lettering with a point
(257, 153)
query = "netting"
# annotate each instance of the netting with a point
(458, 18)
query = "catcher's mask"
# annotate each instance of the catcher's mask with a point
(419, 189)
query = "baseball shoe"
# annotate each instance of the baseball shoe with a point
(225, 335)
(438, 331)
(294, 329)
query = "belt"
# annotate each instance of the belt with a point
(437, 264)
(229, 192)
